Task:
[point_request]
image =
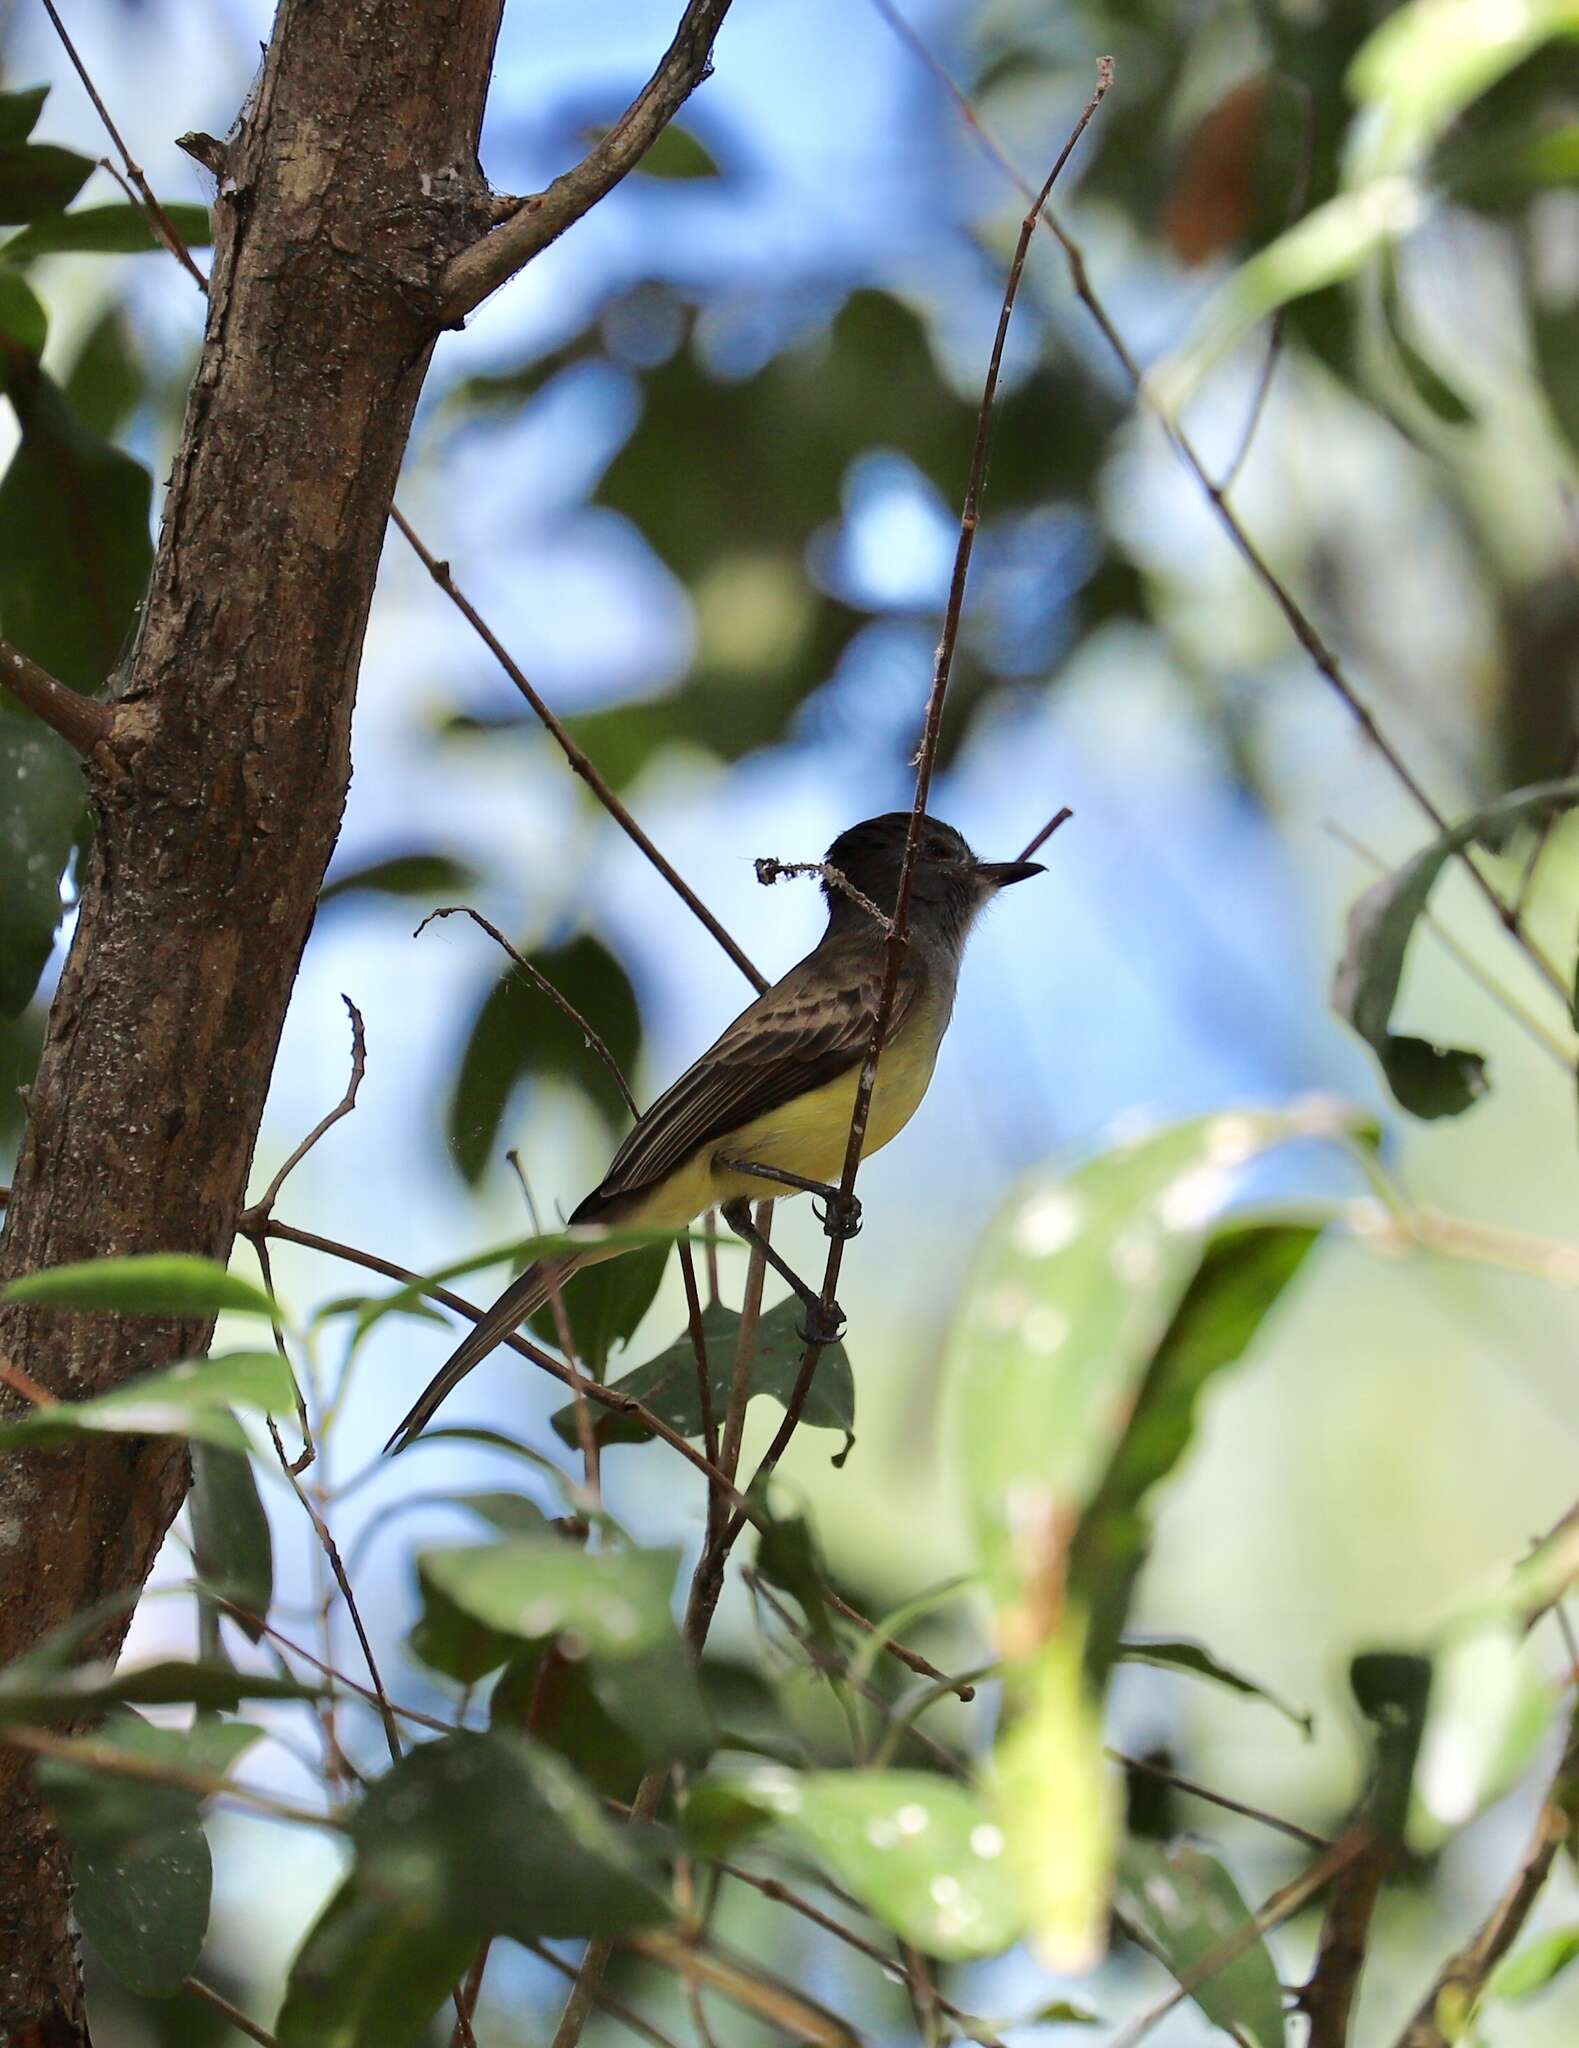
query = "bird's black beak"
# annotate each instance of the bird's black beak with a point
(998, 874)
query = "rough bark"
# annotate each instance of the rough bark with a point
(351, 182)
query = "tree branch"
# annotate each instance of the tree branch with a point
(81, 723)
(543, 218)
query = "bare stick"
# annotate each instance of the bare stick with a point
(1294, 616)
(579, 760)
(770, 871)
(1328, 1998)
(925, 760)
(162, 224)
(1196, 1790)
(540, 980)
(342, 1108)
(236, 2017)
(125, 1763)
(81, 723)
(475, 272)
(1059, 817)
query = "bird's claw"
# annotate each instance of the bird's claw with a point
(839, 1218)
(822, 1326)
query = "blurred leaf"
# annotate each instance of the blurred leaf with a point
(231, 1545)
(38, 178)
(21, 1042)
(106, 381)
(1531, 1968)
(667, 1384)
(495, 1440)
(603, 1305)
(614, 1604)
(139, 1855)
(1057, 1807)
(1076, 1292)
(32, 1690)
(1240, 1281)
(677, 154)
(193, 1399)
(1425, 380)
(1199, 1661)
(1428, 60)
(1213, 200)
(787, 1557)
(423, 875)
(554, 1700)
(922, 1854)
(23, 320)
(1183, 1904)
(118, 229)
(519, 1032)
(1490, 1708)
(467, 1837)
(145, 1284)
(73, 516)
(1428, 1080)
(19, 112)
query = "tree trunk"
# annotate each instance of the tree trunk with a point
(353, 178)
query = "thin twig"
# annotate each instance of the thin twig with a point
(1327, 1999)
(770, 871)
(470, 277)
(1462, 1978)
(236, 2017)
(614, 2007)
(594, 1039)
(1196, 1790)
(257, 1621)
(1325, 661)
(1060, 817)
(81, 723)
(781, 2005)
(163, 226)
(342, 1108)
(23, 1383)
(124, 1763)
(579, 760)
(926, 758)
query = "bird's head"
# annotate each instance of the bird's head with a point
(949, 884)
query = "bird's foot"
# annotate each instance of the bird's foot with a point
(838, 1217)
(822, 1326)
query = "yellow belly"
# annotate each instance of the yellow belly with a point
(807, 1136)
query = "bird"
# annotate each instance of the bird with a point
(765, 1112)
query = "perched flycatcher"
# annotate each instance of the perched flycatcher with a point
(765, 1112)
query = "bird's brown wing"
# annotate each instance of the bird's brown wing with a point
(800, 1034)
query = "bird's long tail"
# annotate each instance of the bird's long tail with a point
(517, 1302)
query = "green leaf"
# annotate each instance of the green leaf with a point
(73, 516)
(603, 1305)
(788, 1557)
(1057, 1805)
(31, 1690)
(923, 1855)
(614, 1604)
(1490, 1708)
(1428, 1080)
(106, 381)
(554, 1699)
(424, 875)
(468, 1837)
(38, 178)
(1240, 1281)
(118, 229)
(1196, 1659)
(23, 320)
(1077, 1289)
(519, 1033)
(1183, 1904)
(193, 1399)
(146, 1284)
(231, 1545)
(495, 1440)
(677, 154)
(19, 112)
(1531, 1968)
(667, 1384)
(139, 1855)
